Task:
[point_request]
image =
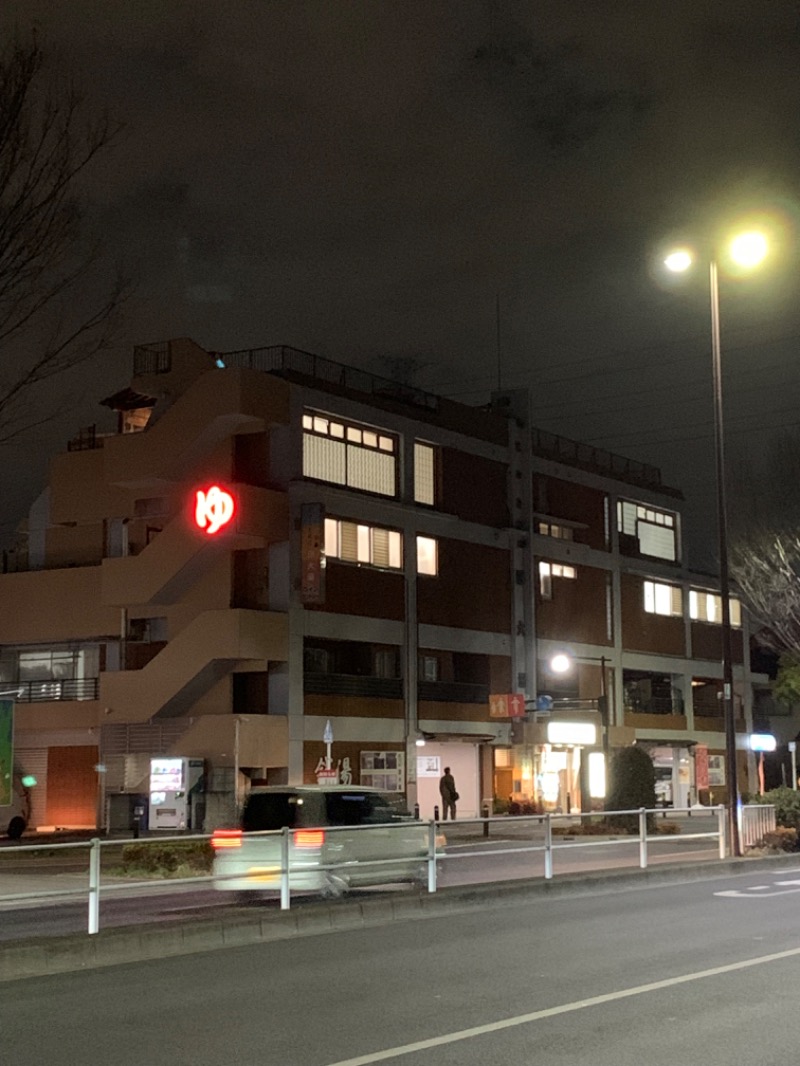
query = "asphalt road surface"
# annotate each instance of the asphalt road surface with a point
(703, 972)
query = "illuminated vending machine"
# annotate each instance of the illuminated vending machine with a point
(174, 782)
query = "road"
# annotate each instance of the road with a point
(467, 861)
(680, 973)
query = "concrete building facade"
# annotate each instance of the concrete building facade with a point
(276, 559)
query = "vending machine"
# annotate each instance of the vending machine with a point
(174, 782)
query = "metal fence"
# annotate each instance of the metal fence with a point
(545, 840)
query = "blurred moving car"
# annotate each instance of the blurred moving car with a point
(337, 835)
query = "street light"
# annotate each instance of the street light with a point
(562, 663)
(746, 250)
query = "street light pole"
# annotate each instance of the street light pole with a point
(724, 578)
(604, 704)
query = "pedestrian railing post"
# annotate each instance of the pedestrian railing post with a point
(431, 856)
(285, 903)
(548, 848)
(721, 831)
(94, 886)
(642, 838)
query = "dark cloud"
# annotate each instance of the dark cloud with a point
(364, 179)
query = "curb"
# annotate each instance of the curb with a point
(39, 957)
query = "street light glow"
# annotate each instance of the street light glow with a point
(679, 260)
(561, 663)
(749, 249)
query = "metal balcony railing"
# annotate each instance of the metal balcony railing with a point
(74, 688)
(453, 692)
(283, 360)
(387, 688)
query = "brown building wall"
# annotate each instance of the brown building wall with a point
(472, 590)
(576, 503)
(363, 591)
(453, 712)
(707, 642)
(461, 474)
(351, 707)
(577, 610)
(54, 605)
(647, 632)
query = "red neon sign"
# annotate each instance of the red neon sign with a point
(214, 509)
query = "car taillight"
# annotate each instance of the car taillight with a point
(226, 838)
(309, 838)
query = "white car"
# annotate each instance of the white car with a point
(337, 834)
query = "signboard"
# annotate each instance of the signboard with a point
(213, 509)
(328, 777)
(510, 705)
(312, 554)
(582, 734)
(429, 766)
(6, 751)
(701, 766)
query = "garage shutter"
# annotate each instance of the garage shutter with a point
(33, 761)
(72, 787)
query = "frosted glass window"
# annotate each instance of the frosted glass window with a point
(364, 555)
(427, 560)
(424, 487)
(346, 454)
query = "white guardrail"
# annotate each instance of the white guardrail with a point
(756, 820)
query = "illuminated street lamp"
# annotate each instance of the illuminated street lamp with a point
(746, 250)
(562, 663)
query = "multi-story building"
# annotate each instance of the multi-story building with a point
(277, 560)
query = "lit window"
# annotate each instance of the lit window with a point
(707, 607)
(427, 556)
(354, 542)
(654, 530)
(351, 455)
(363, 552)
(547, 571)
(551, 529)
(424, 473)
(663, 599)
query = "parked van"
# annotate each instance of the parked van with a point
(337, 834)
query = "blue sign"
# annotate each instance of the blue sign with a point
(544, 703)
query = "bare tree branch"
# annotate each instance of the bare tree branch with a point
(47, 325)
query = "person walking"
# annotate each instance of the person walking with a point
(447, 790)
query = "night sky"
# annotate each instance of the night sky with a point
(368, 179)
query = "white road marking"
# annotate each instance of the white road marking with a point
(565, 1008)
(762, 890)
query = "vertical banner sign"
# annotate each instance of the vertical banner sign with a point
(6, 751)
(312, 553)
(701, 766)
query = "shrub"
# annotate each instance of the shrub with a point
(786, 803)
(781, 839)
(167, 859)
(633, 785)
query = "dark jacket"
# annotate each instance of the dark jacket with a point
(447, 788)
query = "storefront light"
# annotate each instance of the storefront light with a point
(578, 734)
(597, 774)
(762, 742)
